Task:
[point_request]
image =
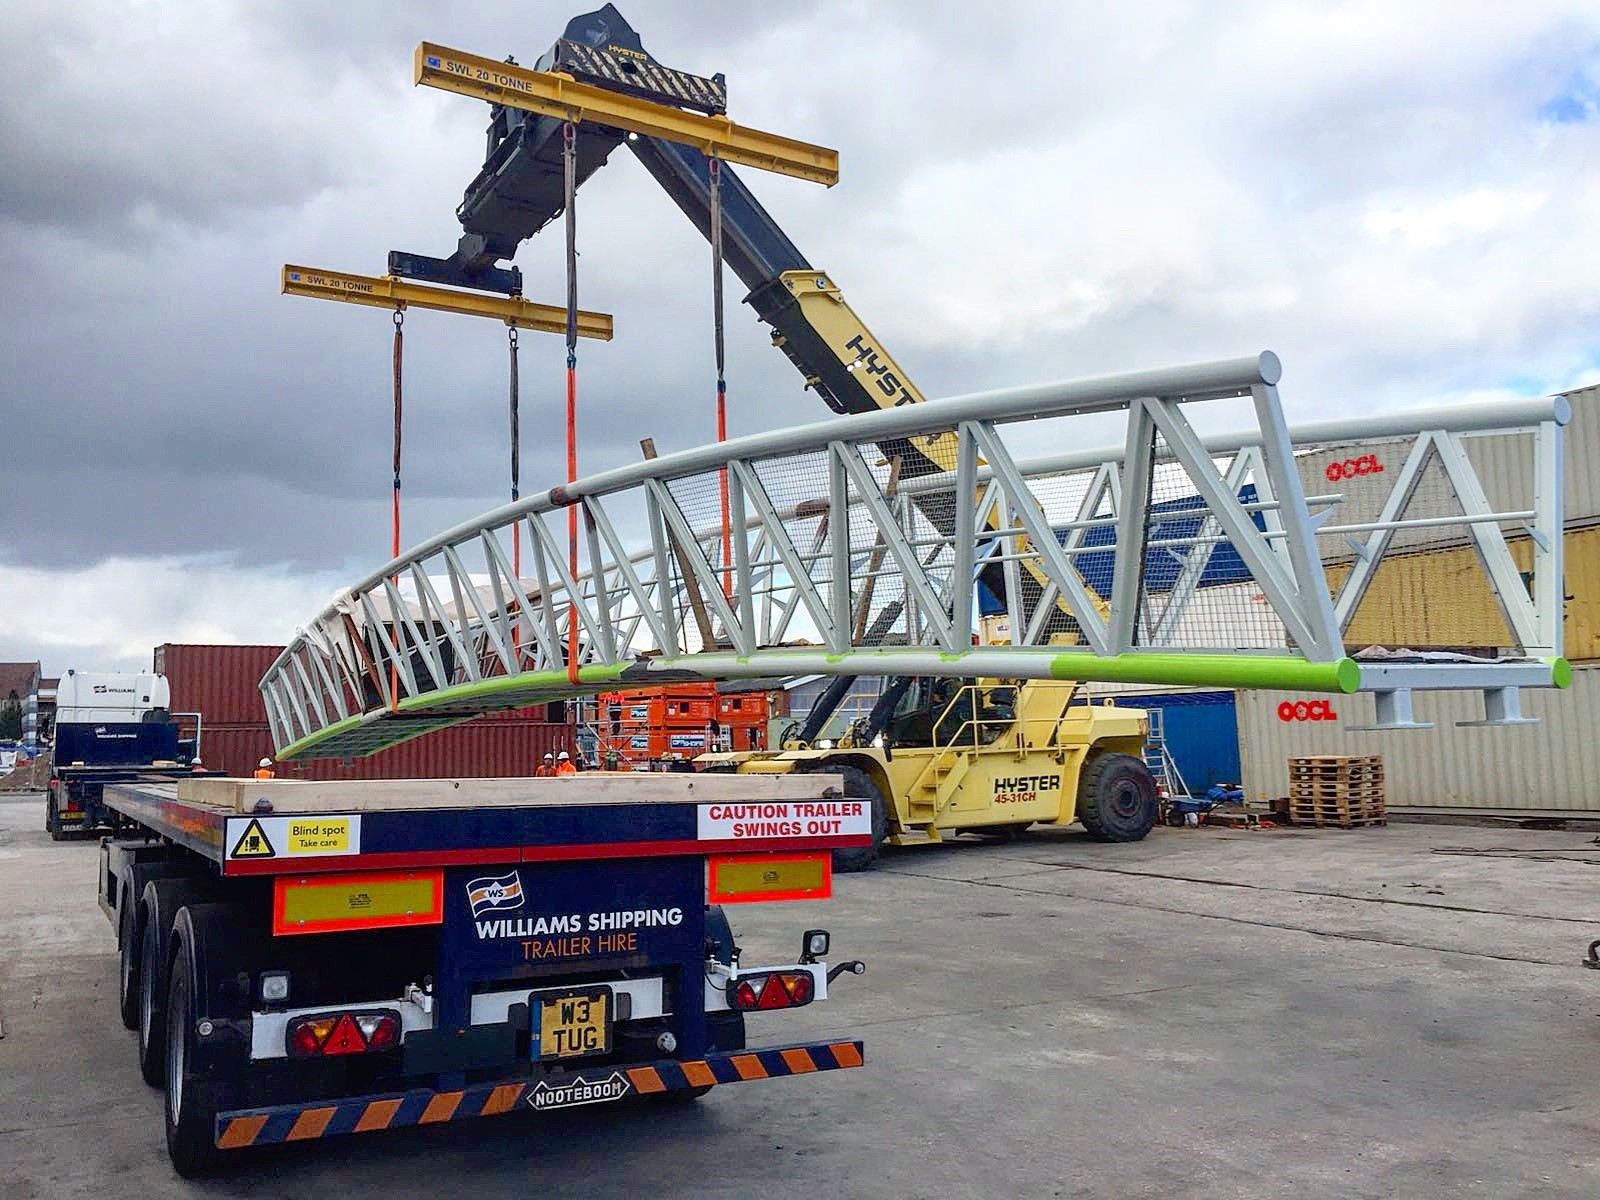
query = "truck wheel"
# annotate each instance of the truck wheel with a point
(190, 1108)
(1117, 798)
(52, 825)
(858, 785)
(162, 899)
(128, 939)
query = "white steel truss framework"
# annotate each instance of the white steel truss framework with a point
(865, 544)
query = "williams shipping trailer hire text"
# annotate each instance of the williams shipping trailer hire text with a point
(304, 960)
(110, 728)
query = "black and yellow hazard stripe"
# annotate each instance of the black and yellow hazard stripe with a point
(363, 1114)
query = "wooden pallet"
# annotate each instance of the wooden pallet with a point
(1343, 812)
(1339, 790)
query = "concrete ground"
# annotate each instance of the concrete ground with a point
(1205, 1014)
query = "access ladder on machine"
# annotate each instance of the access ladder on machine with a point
(1159, 759)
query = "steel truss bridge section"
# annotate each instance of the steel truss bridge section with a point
(1169, 558)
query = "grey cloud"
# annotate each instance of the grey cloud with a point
(1030, 191)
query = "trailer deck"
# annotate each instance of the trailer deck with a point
(309, 959)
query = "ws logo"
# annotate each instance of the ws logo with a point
(495, 893)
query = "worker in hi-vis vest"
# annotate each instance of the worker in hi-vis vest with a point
(264, 769)
(546, 767)
(564, 764)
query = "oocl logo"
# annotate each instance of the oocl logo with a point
(1307, 710)
(1364, 464)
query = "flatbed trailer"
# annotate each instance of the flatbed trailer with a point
(75, 795)
(302, 960)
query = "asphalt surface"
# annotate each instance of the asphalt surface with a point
(1205, 1014)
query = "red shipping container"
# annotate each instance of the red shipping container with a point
(221, 683)
(474, 750)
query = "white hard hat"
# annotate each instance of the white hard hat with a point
(265, 762)
(547, 754)
(195, 761)
(563, 755)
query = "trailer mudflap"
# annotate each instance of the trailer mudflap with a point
(562, 1089)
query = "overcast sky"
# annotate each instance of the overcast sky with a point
(1402, 200)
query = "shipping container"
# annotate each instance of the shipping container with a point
(1432, 598)
(1363, 474)
(1548, 767)
(1201, 732)
(474, 750)
(221, 684)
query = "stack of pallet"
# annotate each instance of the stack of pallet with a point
(1344, 790)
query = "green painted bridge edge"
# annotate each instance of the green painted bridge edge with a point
(1275, 673)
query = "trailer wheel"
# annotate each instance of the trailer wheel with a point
(161, 902)
(128, 939)
(1117, 798)
(52, 823)
(190, 1106)
(858, 785)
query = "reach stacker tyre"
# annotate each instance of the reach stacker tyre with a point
(1117, 798)
(858, 785)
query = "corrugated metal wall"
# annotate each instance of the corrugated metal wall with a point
(1201, 730)
(219, 682)
(1552, 765)
(216, 681)
(476, 750)
(1442, 598)
(1504, 466)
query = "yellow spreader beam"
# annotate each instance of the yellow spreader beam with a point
(554, 94)
(387, 291)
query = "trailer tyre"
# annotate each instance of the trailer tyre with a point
(190, 1104)
(858, 785)
(161, 902)
(52, 824)
(128, 939)
(1117, 798)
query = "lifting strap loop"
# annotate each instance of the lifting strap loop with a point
(569, 165)
(514, 389)
(394, 522)
(714, 188)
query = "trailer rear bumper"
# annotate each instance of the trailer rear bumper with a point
(565, 1089)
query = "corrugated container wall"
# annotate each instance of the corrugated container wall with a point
(475, 750)
(1549, 766)
(1442, 598)
(1504, 466)
(219, 682)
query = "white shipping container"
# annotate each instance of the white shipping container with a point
(1549, 767)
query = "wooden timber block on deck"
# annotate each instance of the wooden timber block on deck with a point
(586, 787)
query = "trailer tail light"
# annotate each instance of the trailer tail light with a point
(331, 1034)
(777, 989)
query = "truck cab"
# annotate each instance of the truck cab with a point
(110, 727)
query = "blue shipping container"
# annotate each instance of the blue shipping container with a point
(1202, 734)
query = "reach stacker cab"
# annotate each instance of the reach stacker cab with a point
(304, 960)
